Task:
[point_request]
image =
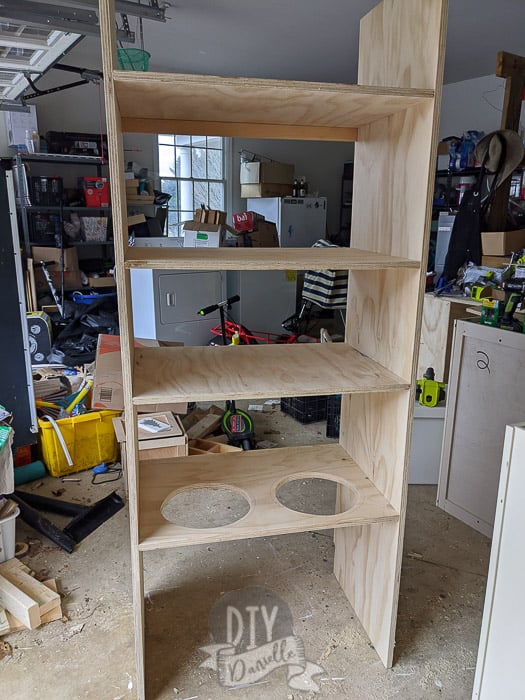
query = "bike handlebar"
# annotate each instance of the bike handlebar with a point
(214, 307)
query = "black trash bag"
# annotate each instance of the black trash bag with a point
(76, 344)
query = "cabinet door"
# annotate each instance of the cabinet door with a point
(180, 295)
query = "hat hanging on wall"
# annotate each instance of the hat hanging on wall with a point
(500, 152)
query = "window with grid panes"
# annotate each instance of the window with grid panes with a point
(192, 171)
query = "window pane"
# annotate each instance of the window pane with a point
(200, 194)
(186, 195)
(167, 138)
(170, 187)
(217, 195)
(198, 162)
(183, 162)
(166, 164)
(199, 141)
(173, 220)
(215, 142)
(214, 165)
(183, 140)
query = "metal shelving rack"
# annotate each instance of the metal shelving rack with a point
(26, 210)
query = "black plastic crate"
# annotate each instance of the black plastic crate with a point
(46, 191)
(333, 415)
(305, 409)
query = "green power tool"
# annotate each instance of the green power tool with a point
(429, 392)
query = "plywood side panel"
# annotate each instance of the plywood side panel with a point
(393, 43)
(393, 166)
(367, 568)
(123, 279)
(377, 431)
(381, 316)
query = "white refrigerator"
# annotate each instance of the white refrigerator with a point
(268, 297)
(300, 221)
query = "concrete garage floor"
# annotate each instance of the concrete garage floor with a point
(90, 654)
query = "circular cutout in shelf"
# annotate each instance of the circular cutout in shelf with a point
(204, 507)
(314, 496)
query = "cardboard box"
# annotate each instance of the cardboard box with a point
(266, 190)
(95, 282)
(495, 261)
(197, 235)
(149, 439)
(263, 173)
(107, 389)
(502, 242)
(48, 254)
(72, 279)
(264, 237)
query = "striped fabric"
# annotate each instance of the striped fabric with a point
(326, 288)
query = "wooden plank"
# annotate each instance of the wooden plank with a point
(122, 276)
(19, 604)
(393, 157)
(256, 371)
(34, 589)
(54, 614)
(253, 101)
(204, 427)
(264, 259)
(257, 474)
(137, 125)
(32, 284)
(437, 330)
(5, 627)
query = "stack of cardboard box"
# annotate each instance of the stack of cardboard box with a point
(53, 257)
(266, 179)
(497, 246)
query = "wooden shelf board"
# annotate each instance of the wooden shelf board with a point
(177, 374)
(158, 97)
(257, 475)
(262, 259)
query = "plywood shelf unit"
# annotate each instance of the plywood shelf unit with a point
(392, 115)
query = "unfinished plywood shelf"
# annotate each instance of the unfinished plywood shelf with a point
(277, 108)
(257, 475)
(263, 259)
(392, 115)
(173, 374)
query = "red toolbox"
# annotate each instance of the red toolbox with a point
(96, 192)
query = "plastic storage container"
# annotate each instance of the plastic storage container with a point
(8, 536)
(305, 409)
(90, 439)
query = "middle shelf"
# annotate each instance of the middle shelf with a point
(177, 374)
(257, 475)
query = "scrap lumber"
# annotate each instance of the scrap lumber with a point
(45, 598)
(51, 616)
(19, 604)
(204, 427)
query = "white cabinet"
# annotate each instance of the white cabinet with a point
(499, 670)
(486, 390)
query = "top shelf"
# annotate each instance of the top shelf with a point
(61, 158)
(159, 102)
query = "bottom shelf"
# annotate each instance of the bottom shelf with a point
(257, 476)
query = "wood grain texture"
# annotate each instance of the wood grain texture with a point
(406, 53)
(254, 101)
(437, 330)
(44, 597)
(122, 276)
(19, 604)
(257, 474)
(256, 371)
(255, 131)
(402, 43)
(263, 259)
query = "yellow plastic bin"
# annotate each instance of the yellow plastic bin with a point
(90, 439)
